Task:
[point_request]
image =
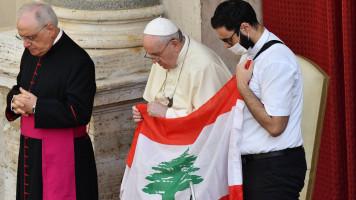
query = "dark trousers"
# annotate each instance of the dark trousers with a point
(274, 178)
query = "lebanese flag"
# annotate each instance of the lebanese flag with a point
(202, 149)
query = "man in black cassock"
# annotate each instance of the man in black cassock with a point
(54, 97)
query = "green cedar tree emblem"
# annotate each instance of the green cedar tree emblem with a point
(173, 176)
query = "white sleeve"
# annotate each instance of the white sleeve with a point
(175, 113)
(276, 88)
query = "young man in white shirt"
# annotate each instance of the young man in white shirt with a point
(273, 158)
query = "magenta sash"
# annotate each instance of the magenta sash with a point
(58, 162)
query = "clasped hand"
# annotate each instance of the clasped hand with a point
(23, 102)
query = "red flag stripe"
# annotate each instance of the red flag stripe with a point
(235, 192)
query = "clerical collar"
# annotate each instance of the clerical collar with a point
(182, 51)
(58, 36)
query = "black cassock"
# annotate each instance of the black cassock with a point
(64, 82)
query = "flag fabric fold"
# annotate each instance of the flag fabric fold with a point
(167, 155)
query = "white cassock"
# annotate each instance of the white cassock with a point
(199, 74)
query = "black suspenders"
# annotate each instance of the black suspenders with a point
(266, 46)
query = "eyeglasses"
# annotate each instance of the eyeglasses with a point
(159, 55)
(29, 38)
(228, 40)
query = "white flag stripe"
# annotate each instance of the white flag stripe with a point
(235, 167)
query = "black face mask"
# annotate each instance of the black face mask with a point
(245, 41)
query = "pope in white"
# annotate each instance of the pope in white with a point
(185, 73)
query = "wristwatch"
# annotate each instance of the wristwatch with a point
(34, 108)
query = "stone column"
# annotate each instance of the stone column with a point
(209, 36)
(110, 31)
(10, 53)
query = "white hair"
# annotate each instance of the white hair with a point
(44, 13)
(176, 36)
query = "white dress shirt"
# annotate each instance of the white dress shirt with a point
(277, 81)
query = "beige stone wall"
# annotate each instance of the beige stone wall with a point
(192, 17)
(9, 141)
(8, 11)
(186, 14)
(10, 48)
(2, 149)
(209, 36)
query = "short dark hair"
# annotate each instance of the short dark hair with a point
(232, 13)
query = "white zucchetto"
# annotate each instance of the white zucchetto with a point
(161, 27)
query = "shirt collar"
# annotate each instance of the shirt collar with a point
(183, 50)
(58, 36)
